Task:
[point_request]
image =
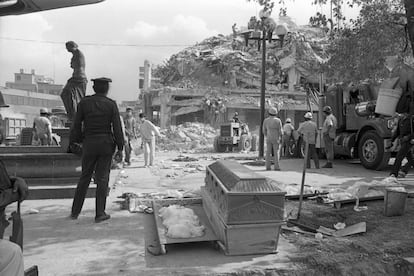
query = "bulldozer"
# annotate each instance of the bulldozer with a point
(235, 136)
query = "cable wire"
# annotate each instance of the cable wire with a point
(96, 44)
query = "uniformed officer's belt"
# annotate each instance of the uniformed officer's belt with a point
(100, 135)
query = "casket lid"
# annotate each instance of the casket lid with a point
(238, 178)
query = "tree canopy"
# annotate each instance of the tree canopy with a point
(358, 47)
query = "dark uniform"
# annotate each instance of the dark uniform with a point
(404, 132)
(100, 132)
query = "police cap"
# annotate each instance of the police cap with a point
(101, 80)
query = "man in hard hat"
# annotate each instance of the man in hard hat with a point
(97, 126)
(329, 133)
(309, 131)
(42, 128)
(130, 133)
(236, 118)
(272, 130)
(288, 129)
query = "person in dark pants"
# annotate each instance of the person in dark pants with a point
(309, 130)
(130, 132)
(329, 133)
(404, 133)
(101, 132)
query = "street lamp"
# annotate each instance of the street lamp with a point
(268, 26)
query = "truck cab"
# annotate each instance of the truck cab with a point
(361, 132)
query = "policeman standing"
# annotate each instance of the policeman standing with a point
(100, 133)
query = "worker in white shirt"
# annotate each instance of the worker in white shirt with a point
(148, 132)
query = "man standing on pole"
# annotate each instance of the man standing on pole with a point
(101, 132)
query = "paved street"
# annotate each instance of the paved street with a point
(60, 246)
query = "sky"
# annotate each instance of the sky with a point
(153, 29)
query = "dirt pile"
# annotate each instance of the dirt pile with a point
(188, 136)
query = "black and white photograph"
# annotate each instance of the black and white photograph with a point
(206, 137)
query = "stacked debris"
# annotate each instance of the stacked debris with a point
(230, 61)
(188, 136)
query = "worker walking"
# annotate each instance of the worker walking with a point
(288, 129)
(148, 132)
(42, 128)
(309, 130)
(329, 132)
(272, 130)
(404, 133)
(130, 133)
(97, 126)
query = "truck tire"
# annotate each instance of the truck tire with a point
(300, 148)
(255, 141)
(217, 146)
(245, 143)
(371, 151)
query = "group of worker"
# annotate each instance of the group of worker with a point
(277, 134)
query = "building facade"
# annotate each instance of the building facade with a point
(34, 83)
(24, 106)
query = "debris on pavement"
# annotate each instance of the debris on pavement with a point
(188, 136)
(339, 225)
(352, 230)
(185, 159)
(361, 189)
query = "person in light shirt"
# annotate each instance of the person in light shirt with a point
(272, 130)
(42, 128)
(309, 130)
(148, 132)
(288, 129)
(329, 133)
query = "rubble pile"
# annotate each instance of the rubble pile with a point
(227, 61)
(188, 136)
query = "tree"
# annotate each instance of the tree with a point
(357, 49)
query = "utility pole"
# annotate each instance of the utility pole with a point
(262, 95)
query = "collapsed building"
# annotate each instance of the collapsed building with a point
(221, 75)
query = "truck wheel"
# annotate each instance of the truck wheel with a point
(245, 143)
(300, 148)
(217, 146)
(371, 151)
(255, 141)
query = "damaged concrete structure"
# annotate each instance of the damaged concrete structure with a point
(219, 76)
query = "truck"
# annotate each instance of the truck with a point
(362, 133)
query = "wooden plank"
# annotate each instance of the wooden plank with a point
(294, 197)
(351, 230)
(198, 210)
(338, 204)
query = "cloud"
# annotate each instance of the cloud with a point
(31, 26)
(184, 29)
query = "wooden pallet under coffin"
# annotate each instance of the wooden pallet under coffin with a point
(241, 239)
